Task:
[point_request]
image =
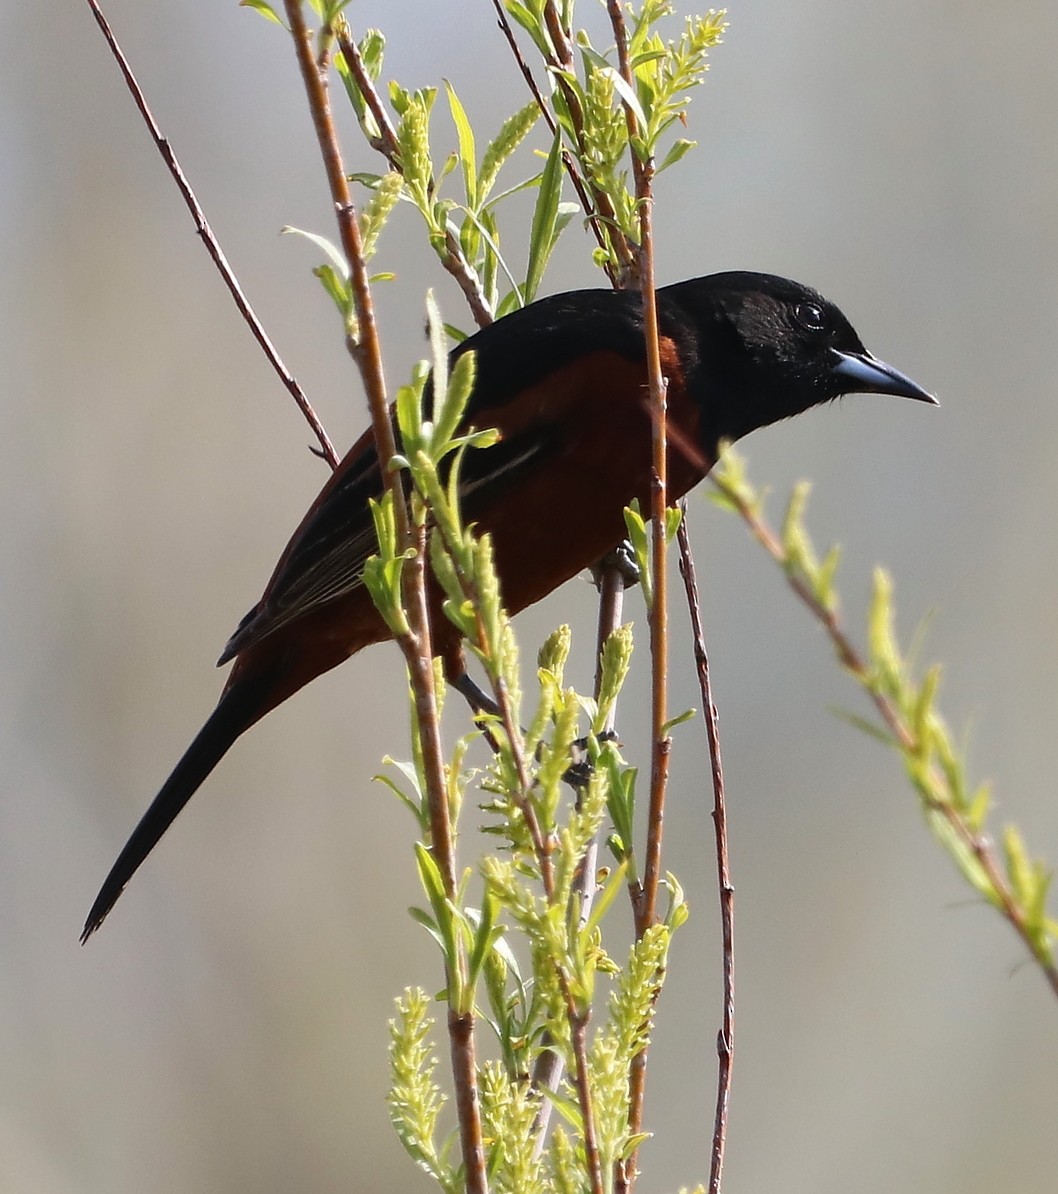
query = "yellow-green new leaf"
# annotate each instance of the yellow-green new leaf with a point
(544, 231)
(467, 151)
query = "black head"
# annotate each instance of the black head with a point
(769, 348)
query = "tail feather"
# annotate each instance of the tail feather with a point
(239, 707)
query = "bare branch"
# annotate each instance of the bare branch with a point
(210, 241)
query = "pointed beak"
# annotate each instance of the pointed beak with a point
(864, 374)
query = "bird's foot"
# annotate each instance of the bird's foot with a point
(578, 774)
(622, 559)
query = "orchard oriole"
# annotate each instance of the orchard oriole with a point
(564, 382)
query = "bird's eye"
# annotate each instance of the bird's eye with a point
(810, 316)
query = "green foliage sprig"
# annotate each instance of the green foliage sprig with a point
(592, 97)
(908, 719)
(545, 830)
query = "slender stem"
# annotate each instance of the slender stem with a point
(386, 142)
(725, 1038)
(569, 165)
(365, 349)
(646, 912)
(210, 241)
(416, 646)
(642, 269)
(579, 1043)
(855, 663)
(523, 66)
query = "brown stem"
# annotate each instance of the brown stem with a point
(210, 241)
(645, 913)
(568, 164)
(645, 901)
(725, 1038)
(604, 221)
(578, 1040)
(468, 1106)
(386, 141)
(523, 66)
(366, 351)
(890, 715)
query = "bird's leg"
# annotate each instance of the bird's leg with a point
(619, 562)
(476, 697)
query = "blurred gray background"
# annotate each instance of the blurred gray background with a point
(226, 1031)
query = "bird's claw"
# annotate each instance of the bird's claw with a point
(622, 560)
(578, 774)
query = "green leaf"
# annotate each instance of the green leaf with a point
(444, 915)
(866, 727)
(422, 917)
(438, 355)
(614, 883)
(414, 806)
(678, 720)
(545, 218)
(334, 254)
(460, 387)
(884, 654)
(372, 49)
(338, 291)
(824, 580)
(485, 933)
(678, 150)
(568, 1108)
(637, 536)
(467, 151)
(266, 10)
(409, 416)
(978, 807)
(495, 256)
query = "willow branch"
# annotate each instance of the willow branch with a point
(416, 645)
(725, 1038)
(386, 142)
(645, 897)
(850, 658)
(205, 233)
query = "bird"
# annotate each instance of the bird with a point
(563, 381)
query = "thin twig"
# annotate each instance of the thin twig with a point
(386, 141)
(855, 663)
(210, 241)
(568, 164)
(523, 66)
(601, 211)
(416, 646)
(641, 269)
(725, 1038)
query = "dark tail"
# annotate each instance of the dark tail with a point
(238, 709)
